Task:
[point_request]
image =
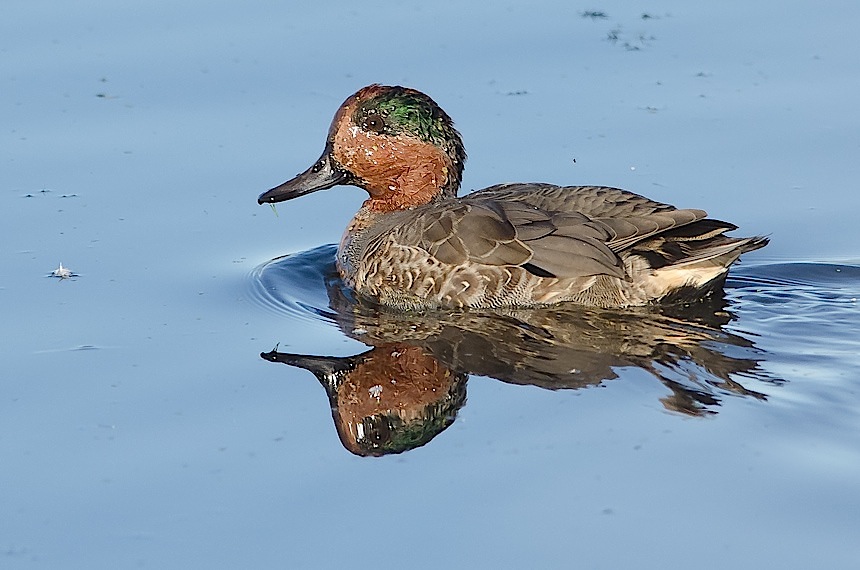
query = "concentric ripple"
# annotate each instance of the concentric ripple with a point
(295, 285)
(809, 284)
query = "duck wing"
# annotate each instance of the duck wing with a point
(593, 201)
(542, 231)
(515, 234)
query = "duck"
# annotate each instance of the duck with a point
(414, 245)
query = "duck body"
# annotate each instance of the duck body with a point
(414, 245)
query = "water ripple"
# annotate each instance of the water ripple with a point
(296, 286)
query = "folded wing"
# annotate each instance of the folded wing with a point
(551, 231)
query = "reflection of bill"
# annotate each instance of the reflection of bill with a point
(409, 387)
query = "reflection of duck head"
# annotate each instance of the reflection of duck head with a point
(390, 399)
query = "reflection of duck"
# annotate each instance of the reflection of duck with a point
(415, 245)
(428, 358)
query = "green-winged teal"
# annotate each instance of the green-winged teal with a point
(415, 245)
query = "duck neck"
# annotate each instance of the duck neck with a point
(411, 188)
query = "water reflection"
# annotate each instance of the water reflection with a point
(412, 382)
(390, 399)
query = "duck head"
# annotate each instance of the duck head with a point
(394, 142)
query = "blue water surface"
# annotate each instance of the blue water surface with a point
(139, 426)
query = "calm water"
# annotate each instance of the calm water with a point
(140, 427)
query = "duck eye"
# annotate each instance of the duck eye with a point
(374, 123)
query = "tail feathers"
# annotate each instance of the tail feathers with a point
(701, 243)
(689, 263)
(722, 251)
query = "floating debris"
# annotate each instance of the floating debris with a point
(593, 14)
(627, 40)
(612, 35)
(63, 272)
